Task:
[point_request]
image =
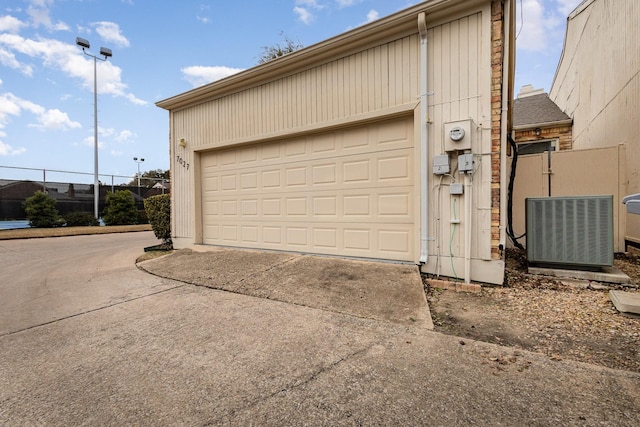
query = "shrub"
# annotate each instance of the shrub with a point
(142, 217)
(159, 212)
(80, 219)
(41, 211)
(121, 209)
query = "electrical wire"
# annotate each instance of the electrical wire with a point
(438, 189)
(521, 20)
(453, 232)
(512, 178)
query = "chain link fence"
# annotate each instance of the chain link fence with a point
(71, 190)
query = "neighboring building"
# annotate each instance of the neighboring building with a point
(539, 124)
(350, 147)
(13, 195)
(597, 83)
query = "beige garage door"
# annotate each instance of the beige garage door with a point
(347, 192)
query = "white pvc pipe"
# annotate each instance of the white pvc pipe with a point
(468, 196)
(424, 141)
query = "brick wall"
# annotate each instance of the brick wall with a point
(497, 55)
(562, 133)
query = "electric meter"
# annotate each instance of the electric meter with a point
(456, 134)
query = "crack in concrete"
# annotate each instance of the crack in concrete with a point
(272, 267)
(293, 386)
(89, 311)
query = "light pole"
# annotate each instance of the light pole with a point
(135, 159)
(84, 44)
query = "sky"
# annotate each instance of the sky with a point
(161, 49)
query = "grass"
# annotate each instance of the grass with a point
(34, 233)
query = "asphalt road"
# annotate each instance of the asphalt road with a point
(88, 339)
(43, 280)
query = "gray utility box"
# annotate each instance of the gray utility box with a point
(570, 231)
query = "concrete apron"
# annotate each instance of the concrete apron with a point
(366, 289)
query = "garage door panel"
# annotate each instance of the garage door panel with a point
(373, 170)
(346, 193)
(317, 148)
(325, 206)
(249, 234)
(388, 241)
(394, 205)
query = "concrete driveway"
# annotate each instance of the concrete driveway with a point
(151, 351)
(374, 290)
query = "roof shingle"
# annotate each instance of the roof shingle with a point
(536, 109)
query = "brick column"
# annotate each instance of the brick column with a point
(497, 54)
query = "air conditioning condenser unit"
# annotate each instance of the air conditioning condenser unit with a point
(570, 231)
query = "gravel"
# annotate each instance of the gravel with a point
(561, 318)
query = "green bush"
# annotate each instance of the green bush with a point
(41, 211)
(121, 209)
(81, 219)
(159, 212)
(142, 217)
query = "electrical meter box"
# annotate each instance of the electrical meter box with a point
(458, 135)
(465, 163)
(441, 164)
(456, 188)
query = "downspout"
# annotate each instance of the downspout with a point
(424, 140)
(468, 194)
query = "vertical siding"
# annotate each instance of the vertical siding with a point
(181, 181)
(598, 80)
(459, 83)
(375, 79)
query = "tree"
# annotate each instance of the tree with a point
(269, 53)
(41, 211)
(121, 209)
(149, 178)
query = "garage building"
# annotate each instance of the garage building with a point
(385, 142)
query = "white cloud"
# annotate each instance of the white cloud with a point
(304, 10)
(204, 9)
(565, 7)
(7, 150)
(71, 61)
(8, 59)
(125, 136)
(89, 142)
(110, 32)
(10, 24)
(39, 12)
(304, 15)
(346, 3)
(52, 119)
(535, 25)
(372, 15)
(309, 3)
(199, 75)
(106, 132)
(8, 107)
(55, 119)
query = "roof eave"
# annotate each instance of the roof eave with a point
(543, 125)
(399, 24)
